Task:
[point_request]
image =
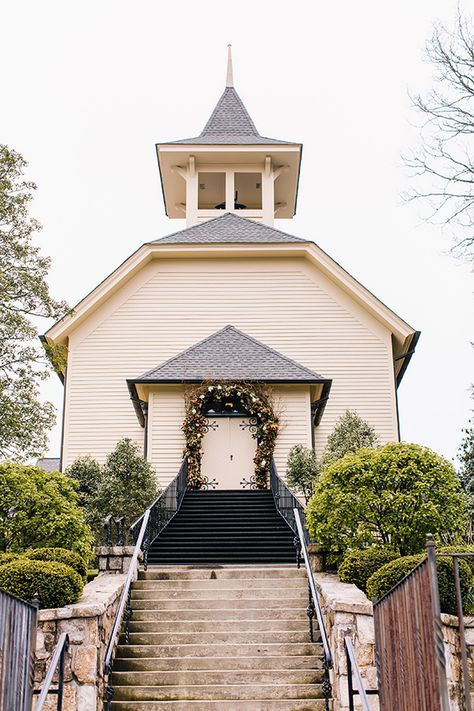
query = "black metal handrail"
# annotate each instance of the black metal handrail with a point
(286, 502)
(314, 607)
(353, 668)
(124, 610)
(162, 510)
(57, 662)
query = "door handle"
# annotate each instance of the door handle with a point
(231, 457)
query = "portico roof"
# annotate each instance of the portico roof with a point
(230, 354)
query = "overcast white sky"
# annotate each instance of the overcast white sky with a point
(88, 88)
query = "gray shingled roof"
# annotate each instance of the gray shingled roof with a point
(228, 227)
(230, 354)
(230, 123)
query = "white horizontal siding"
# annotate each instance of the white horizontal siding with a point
(293, 407)
(166, 441)
(172, 304)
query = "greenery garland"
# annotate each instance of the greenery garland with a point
(254, 399)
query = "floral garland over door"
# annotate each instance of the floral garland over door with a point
(253, 399)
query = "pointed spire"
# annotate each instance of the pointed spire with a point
(230, 74)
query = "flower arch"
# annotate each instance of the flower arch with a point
(254, 399)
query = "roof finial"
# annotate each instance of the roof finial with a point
(230, 75)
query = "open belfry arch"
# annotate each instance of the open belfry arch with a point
(228, 299)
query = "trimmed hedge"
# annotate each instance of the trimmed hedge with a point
(55, 584)
(358, 566)
(60, 555)
(8, 557)
(390, 574)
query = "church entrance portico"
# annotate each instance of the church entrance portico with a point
(228, 451)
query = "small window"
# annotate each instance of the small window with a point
(248, 191)
(211, 191)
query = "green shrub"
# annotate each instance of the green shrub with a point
(55, 584)
(60, 555)
(302, 470)
(393, 495)
(40, 509)
(8, 557)
(358, 566)
(390, 574)
(350, 434)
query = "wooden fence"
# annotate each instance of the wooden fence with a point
(17, 645)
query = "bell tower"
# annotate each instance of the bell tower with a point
(229, 167)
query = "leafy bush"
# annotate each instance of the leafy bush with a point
(55, 584)
(40, 509)
(128, 485)
(358, 566)
(8, 557)
(350, 434)
(302, 470)
(87, 472)
(60, 555)
(390, 574)
(389, 496)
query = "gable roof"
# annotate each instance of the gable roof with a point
(228, 227)
(229, 123)
(230, 354)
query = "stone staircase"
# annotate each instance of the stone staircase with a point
(219, 638)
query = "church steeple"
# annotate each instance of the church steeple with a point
(229, 166)
(230, 73)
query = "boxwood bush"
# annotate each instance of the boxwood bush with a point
(8, 557)
(390, 574)
(55, 584)
(60, 555)
(358, 566)
(459, 549)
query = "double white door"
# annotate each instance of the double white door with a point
(228, 451)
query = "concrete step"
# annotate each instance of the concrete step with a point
(223, 705)
(220, 603)
(158, 664)
(213, 677)
(288, 583)
(229, 614)
(231, 649)
(229, 692)
(224, 572)
(182, 638)
(229, 593)
(199, 626)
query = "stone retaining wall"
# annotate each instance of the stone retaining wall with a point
(453, 659)
(348, 612)
(88, 623)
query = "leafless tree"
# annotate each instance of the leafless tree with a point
(443, 165)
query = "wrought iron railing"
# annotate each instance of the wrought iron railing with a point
(314, 608)
(144, 531)
(353, 669)
(124, 610)
(286, 502)
(162, 510)
(17, 645)
(57, 663)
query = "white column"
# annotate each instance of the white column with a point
(191, 193)
(229, 190)
(268, 193)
